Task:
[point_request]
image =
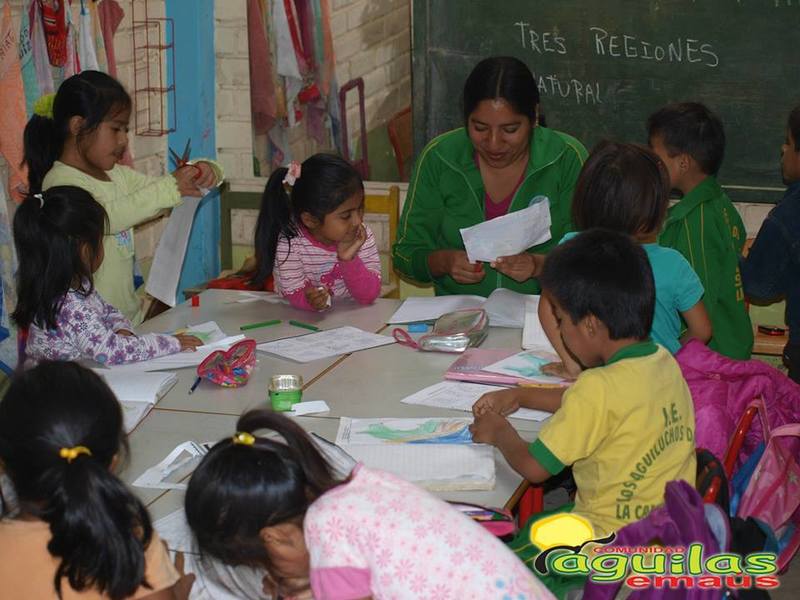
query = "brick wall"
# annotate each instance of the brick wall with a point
(371, 39)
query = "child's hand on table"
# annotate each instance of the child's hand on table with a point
(188, 342)
(501, 402)
(489, 428)
(347, 249)
(559, 369)
(318, 297)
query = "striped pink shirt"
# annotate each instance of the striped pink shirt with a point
(304, 262)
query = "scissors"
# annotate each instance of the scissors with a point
(181, 160)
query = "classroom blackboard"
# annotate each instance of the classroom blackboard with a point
(603, 66)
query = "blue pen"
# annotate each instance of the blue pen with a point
(194, 385)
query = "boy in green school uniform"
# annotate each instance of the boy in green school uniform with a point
(704, 226)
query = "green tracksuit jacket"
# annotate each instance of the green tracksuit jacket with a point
(446, 193)
(706, 228)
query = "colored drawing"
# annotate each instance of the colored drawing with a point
(405, 431)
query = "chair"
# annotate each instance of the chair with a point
(381, 213)
(400, 135)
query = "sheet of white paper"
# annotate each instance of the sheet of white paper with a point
(527, 365)
(393, 431)
(162, 283)
(213, 579)
(133, 413)
(171, 472)
(340, 461)
(324, 344)
(460, 395)
(533, 335)
(440, 467)
(208, 332)
(506, 308)
(179, 360)
(430, 308)
(508, 235)
(309, 408)
(268, 297)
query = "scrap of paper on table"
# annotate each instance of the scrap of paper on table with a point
(172, 472)
(325, 344)
(459, 395)
(508, 235)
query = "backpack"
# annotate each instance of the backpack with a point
(767, 486)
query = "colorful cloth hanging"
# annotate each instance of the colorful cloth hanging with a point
(97, 34)
(44, 74)
(26, 60)
(87, 54)
(111, 15)
(12, 104)
(8, 294)
(54, 19)
(262, 92)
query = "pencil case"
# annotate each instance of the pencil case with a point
(231, 368)
(452, 332)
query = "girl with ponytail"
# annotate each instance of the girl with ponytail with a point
(79, 532)
(311, 236)
(58, 235)
(78, 138)
(273, 502)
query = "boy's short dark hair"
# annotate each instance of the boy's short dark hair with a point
(794, 126)
(691, 128)
(605, 274)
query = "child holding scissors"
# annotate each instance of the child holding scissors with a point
(79, 140)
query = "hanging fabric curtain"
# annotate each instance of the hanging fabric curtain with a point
(97, 36)
(44, 74)
(12, 105)
(87, 54)
(26, 60)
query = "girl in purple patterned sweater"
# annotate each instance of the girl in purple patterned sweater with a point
(58, 235)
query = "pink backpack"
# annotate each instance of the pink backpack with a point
(772, 494)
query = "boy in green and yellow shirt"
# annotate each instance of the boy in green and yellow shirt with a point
(626, 426)
(704, 226)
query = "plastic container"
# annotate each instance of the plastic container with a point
(285, 391)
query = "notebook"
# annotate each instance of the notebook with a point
(505, 308)
(469, 367)
(137, 392)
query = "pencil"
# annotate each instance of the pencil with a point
(195, 384)
(304, 325)
(544, 386)
(262, 324)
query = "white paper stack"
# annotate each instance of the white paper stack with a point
(505, 308)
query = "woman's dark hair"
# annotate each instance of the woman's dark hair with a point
(690, 128)
(605, 274)
(92, 95)
(794, 126)
(502, 78)
(239, 489)
(622, 187)
(52, 231)
(99, 529)
(326, 180)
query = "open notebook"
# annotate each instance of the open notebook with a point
(137, 392)
(505, 308)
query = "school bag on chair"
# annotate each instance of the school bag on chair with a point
(771, 493)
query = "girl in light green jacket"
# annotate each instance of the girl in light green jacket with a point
(78, 138)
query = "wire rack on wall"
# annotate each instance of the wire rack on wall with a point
(153, 49)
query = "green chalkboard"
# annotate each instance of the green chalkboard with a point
(604, 65)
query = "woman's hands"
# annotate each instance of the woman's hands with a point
(456, 264)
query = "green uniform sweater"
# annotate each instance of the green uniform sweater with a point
(706, 228)
(446, 193)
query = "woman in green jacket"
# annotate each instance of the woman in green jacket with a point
(502, 161)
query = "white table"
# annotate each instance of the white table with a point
(372, 383)
(369, 383)
(220, 306)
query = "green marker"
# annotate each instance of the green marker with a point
(257, 325)
(304, 325)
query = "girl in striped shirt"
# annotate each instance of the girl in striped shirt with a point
(311, 236)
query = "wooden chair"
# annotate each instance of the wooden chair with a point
(400, 135)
